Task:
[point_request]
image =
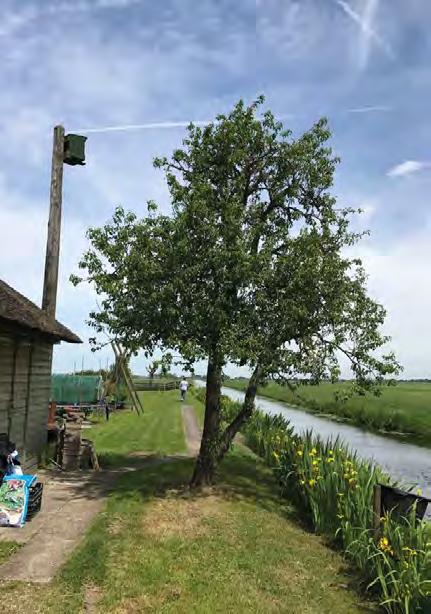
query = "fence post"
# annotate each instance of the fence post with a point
(377, 508)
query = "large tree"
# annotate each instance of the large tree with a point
(250, 267)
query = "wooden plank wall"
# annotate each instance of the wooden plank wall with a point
(6, 368)
(40, 391)
(25, 383)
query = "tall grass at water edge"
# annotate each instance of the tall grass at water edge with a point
(333, 489)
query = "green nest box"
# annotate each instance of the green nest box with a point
(74, 149)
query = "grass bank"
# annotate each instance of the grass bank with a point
(334, 489)
(404, 409)
(159, 548)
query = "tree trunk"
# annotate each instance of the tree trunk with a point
(244, 414)
(207, 460)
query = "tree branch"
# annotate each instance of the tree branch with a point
(243, 415)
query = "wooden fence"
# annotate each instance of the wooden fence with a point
(141, 386)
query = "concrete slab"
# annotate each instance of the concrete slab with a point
(59, 489)
(69, 504)
(40, 558)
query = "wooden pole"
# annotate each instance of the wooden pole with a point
(134, 395)
(119, 365)
(50, 283)
(120, 356)
(377, 508)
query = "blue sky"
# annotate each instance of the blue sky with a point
(365, 64)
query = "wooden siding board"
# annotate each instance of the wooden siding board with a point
(39, 398)
(38, 395)
(17, 413)
(6, 364)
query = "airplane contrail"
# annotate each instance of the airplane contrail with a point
(365, 24)
(157, 125)
(369, 109)
(149, 126)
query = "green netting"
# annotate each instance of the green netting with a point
(75, 388)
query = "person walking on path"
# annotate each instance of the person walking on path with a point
(183, 388)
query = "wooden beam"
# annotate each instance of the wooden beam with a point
(27, 396)
(50, 283)
(11, 404)
(119, 355)
(377, 508)
(129, 383)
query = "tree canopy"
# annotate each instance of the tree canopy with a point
(250, 266)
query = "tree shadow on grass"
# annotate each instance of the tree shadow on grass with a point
(242, 478)
(114, 475)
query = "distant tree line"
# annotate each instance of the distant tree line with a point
(309, 382)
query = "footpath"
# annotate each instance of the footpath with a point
(71, 501)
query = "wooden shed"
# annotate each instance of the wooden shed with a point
(27, 336)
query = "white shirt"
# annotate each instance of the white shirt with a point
(184, 385)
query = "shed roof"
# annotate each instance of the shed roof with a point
(19, 310)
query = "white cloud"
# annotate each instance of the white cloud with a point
(99, 76)
(22, 245)
(17, 18)
(165, 66)
(368, 208)
(367, 29)
(409, 167)
(398, 277)
(13, 21)
(291, 29)
(28, 134)
(22, 258)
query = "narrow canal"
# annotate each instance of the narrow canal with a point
(405, 462)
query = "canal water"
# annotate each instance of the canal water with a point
(405, 462)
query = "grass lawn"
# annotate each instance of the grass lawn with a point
(6, 549)
(158, 431)
(159, 548)
(404, 408)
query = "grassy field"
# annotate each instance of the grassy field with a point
(158, 431)
(404, 408)
(6, 549)
(159, 548)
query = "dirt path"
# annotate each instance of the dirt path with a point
(192, 430)
(71, 501)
